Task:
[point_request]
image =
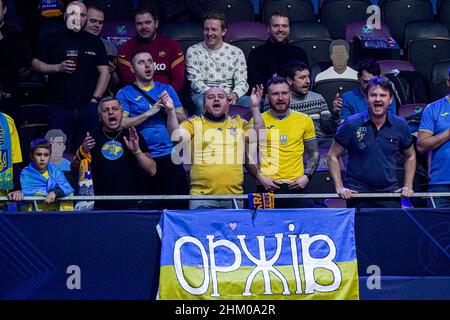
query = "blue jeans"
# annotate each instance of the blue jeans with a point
(197, 99)
(440, 202)
(80, 120)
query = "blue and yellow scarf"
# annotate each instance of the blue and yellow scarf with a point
(6, 165)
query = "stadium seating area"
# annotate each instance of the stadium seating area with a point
(423, 37)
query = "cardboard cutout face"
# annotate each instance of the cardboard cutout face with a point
(57, 139)
(76, 17)
(339, 56)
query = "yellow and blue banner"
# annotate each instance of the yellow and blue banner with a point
(275, 254)
(261, 200)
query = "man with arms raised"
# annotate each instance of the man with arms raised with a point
(219, 145)
(119, 157)
(289, 133)
(142, 110)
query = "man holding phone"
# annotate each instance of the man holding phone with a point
(354, 101)
(142, 110)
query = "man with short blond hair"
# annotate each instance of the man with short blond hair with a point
(215, 63)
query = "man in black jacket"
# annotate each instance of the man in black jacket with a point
(268, 59)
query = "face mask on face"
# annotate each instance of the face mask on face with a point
(73, 21)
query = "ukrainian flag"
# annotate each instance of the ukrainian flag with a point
(273, 254)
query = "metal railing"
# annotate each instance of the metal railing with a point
(235, 197)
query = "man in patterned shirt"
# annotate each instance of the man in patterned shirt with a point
(326, 121)
(214, 63)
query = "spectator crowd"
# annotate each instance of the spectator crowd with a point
(132, 119)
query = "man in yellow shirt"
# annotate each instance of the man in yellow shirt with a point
(217, 145)
(10, 156)
(289, 133)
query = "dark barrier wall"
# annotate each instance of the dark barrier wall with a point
(108, 255)
(410, 248)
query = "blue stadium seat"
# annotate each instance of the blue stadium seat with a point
(328, 88)
(388, 65)
(443, 10)
(439, 76)
(246, 35)
(397, 13)
(335, 14)
(234, 10)
(314, 38)
(297, 10)
(187, 33)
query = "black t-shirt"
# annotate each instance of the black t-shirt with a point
(115, 169)
(270, 58)
(72, 90)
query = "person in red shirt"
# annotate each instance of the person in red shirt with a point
(166, 52)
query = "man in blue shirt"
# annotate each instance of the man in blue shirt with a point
(372, 139)
(142, 109)
(354, 101)
(434, 133)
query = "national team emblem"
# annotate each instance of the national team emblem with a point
(162, 54)
(283, 138)
(112, 150)
(3, 160)
(233, 132)
(361, 133)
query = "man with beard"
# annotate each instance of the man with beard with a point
(311, 103)
(142, 110)
(354, 101)
(167, 53)
(219, 144)
(289, 133)
(77, 82)
(372, 138)
(268, 60)
(116, 170)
